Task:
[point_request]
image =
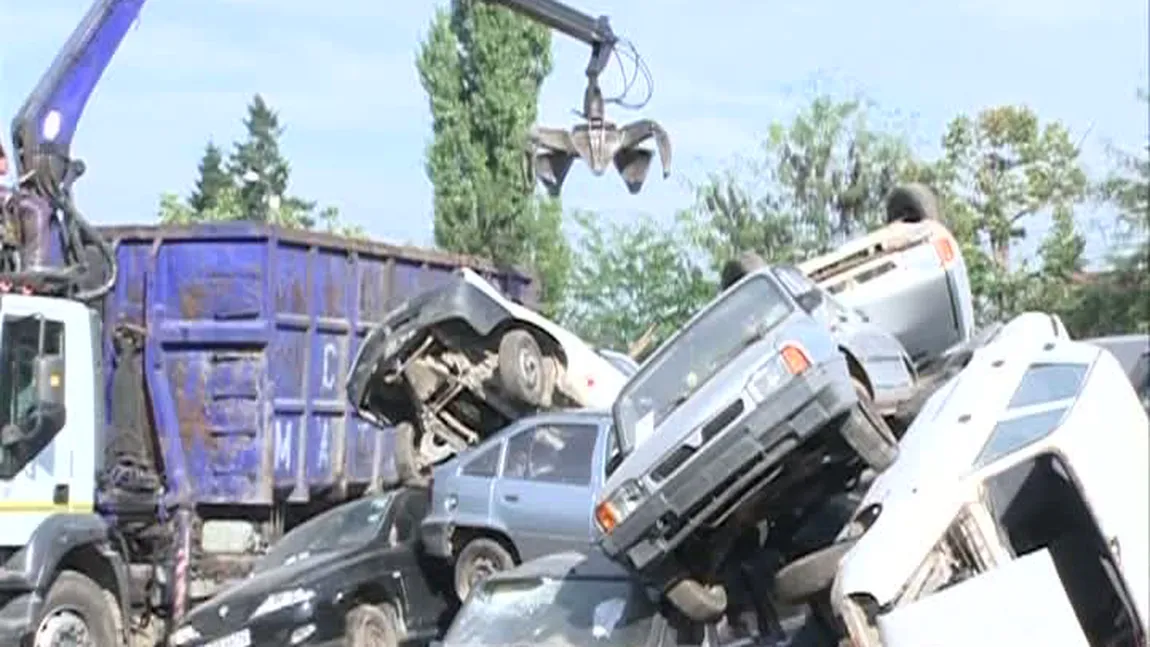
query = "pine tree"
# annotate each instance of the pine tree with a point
(263, 173)
(212, 182)
(482, 68)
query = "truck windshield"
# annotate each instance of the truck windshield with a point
(560, 612)
(739, 317)
(347, 526)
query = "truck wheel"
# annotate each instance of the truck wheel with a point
(697, 601)
(521, 368)
(813, 573)
(372, 626)
(408, 467)
(737, 268)
(868, 434)
(77, 611)
(479, 559)
(911, 203)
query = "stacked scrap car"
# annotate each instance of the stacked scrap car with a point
(1007, 518)
(460, 362)
(755, 409)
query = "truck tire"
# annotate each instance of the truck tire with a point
(697, 601)
(370, 625)
(737, 268)
(408, 468)
(480, 558)
(522, 370)
(80, 610)
(803, 578)
(911, 203)
(868, 434)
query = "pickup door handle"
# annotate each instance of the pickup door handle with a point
(511, 498)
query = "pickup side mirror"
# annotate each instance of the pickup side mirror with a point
(810, 300)
(49, 375)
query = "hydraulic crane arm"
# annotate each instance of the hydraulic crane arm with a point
(595, 32)
(43, 129)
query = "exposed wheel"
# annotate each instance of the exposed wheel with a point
(868, 434)
(372, 626)
(737, 268)
(521, 368)
(480, 558)
(698, 601)
(911, 203)
(813, 573)
(77, 612)
(408, 466)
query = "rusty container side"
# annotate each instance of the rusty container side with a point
(250, 330)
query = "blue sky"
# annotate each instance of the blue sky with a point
(342, 75)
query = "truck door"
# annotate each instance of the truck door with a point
(544, 497)
(36, 455)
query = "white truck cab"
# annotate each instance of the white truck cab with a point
(1018, 511)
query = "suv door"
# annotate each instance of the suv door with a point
(545, 494)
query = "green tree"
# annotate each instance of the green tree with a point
(1117, 299)
(263, 173)
(819, 180)
(252, 185)
(482, 68)
(629, 277)
(1002, 170)
(213, 180)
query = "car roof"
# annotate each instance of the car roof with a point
(589, 564)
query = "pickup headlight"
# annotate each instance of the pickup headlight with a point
(791, 360)
(612, 510)
(183, 636)
(283, 600)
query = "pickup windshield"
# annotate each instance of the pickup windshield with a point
(560, 612)
(735, 319)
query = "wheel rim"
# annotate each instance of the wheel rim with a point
(63, 628)
(529, 368)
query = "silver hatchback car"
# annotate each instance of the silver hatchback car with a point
(750, 410)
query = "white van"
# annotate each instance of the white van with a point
(1018, 512)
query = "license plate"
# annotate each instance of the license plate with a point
(241, 638)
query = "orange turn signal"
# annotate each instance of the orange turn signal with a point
(944, 247)
(606, 516)
(795, 359)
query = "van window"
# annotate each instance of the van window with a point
(1044, 383)
(1015, 433)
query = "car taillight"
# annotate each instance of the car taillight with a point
(944, 247)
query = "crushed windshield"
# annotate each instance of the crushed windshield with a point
(349, 525)
(736, 319)
(569, 612)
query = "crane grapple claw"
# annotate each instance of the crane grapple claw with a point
(599, 143)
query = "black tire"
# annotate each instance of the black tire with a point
(911, 203)
(697, 601)
(371, 626)
(521, 368)
(803, 578)
(868, 434)
(79, 599)
(480, 558)
(737, 268)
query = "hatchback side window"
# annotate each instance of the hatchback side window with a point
(552, 454)
(486, 464)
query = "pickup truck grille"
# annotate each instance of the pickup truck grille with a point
(684, 452)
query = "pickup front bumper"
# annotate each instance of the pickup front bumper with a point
(731, 469)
